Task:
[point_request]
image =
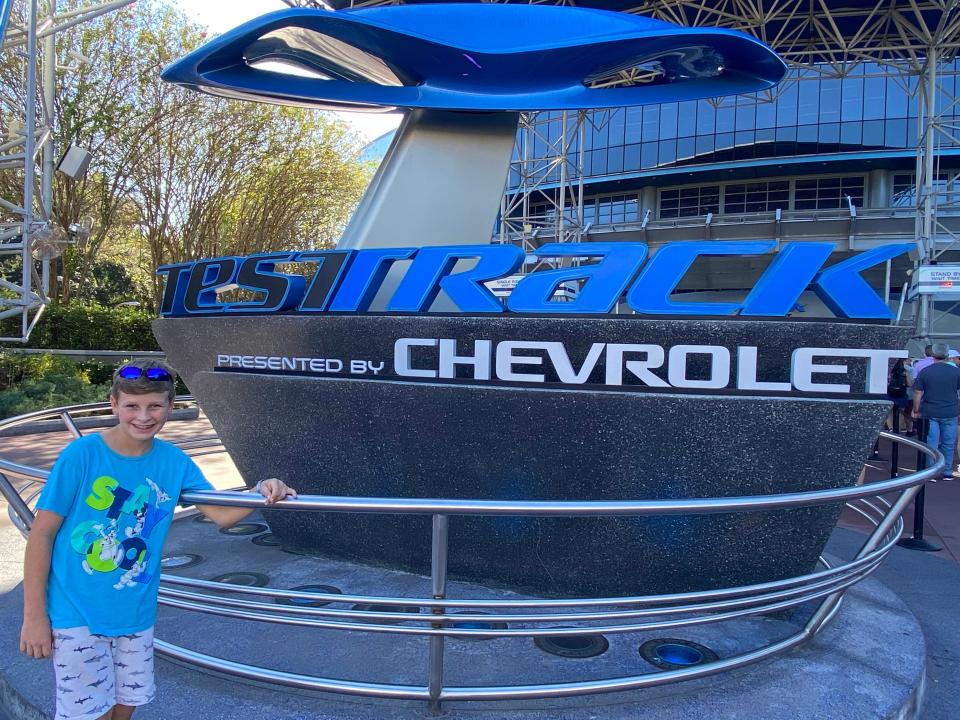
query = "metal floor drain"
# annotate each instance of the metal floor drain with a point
(249, 579)
(304, 602)
(266, 540)
(386, 609)
(245, 529)
(477, 623)
(676, 654)
(572, 646)
(177, 562)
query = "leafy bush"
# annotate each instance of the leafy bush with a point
(16, 368)
(51, 391)
(89, 326)
(37, 382)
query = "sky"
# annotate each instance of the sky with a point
(223, 15)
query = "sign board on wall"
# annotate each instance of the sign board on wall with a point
(940, 281)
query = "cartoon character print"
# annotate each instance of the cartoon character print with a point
(117, 543)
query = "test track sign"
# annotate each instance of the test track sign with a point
(346, 281)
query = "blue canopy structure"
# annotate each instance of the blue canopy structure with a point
(487, 57)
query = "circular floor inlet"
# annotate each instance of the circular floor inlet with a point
(245, 529)
(572, 646)
(676, 654)
(306, 602)
(177, 562)
(266, 540)
(248, 579)
(474, 624)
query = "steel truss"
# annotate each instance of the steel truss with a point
(831, 38)
(31, 35)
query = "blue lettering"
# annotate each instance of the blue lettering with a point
(205, 278)
(349, 280)
(430, 273)
(331, 265)
(650, 293)
(364, 277)
(604, 283)
(281, 292)
(780, 286)
(846, 293)
(152, 519)
(120, 496)
(174, 289)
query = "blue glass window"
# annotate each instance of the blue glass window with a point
(829, 100)
(852, 103)
(633, 125)
(668, 121)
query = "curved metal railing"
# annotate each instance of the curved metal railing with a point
(527, 617)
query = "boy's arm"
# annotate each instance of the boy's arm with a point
(273, 490)
(36, 637)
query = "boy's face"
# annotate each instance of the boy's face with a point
(141, 416)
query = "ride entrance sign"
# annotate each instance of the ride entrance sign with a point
(403, 363)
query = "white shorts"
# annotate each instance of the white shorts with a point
(96, 672)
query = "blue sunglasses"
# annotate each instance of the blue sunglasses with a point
(132, 372)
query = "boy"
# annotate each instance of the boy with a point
(92, 564)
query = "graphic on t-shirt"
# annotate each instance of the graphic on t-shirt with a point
(118, 541)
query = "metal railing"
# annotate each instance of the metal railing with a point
(526, 617)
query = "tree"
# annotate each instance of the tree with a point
(177, 175)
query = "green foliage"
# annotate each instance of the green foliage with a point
(89, 326)
(16, 368)
(36, 382)
(48, 392)
(31, 382)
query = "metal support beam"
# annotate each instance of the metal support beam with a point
(36, 161)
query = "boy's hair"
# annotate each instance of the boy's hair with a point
(143, 385)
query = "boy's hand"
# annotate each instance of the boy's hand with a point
(36, 638)
(274, 490)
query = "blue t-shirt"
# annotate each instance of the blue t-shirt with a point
(105, 569)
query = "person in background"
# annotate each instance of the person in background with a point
(953, 357)
(925, 361)
(935, 398)
(898, 387)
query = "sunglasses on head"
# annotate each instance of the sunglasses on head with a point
(132, 372)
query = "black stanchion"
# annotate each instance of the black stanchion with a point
(917, 541)
(895, 446)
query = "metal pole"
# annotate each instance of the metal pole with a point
(562, 189)
(438, 574)
(930, 90)
(49, 101)
(917, 541)
(29, 150)
(895, 446)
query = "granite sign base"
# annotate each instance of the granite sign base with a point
(382, 434)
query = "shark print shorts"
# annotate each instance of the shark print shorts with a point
(96, 672)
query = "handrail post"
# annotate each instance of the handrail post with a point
(71, 425)
(16, 502)
(438, 575)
